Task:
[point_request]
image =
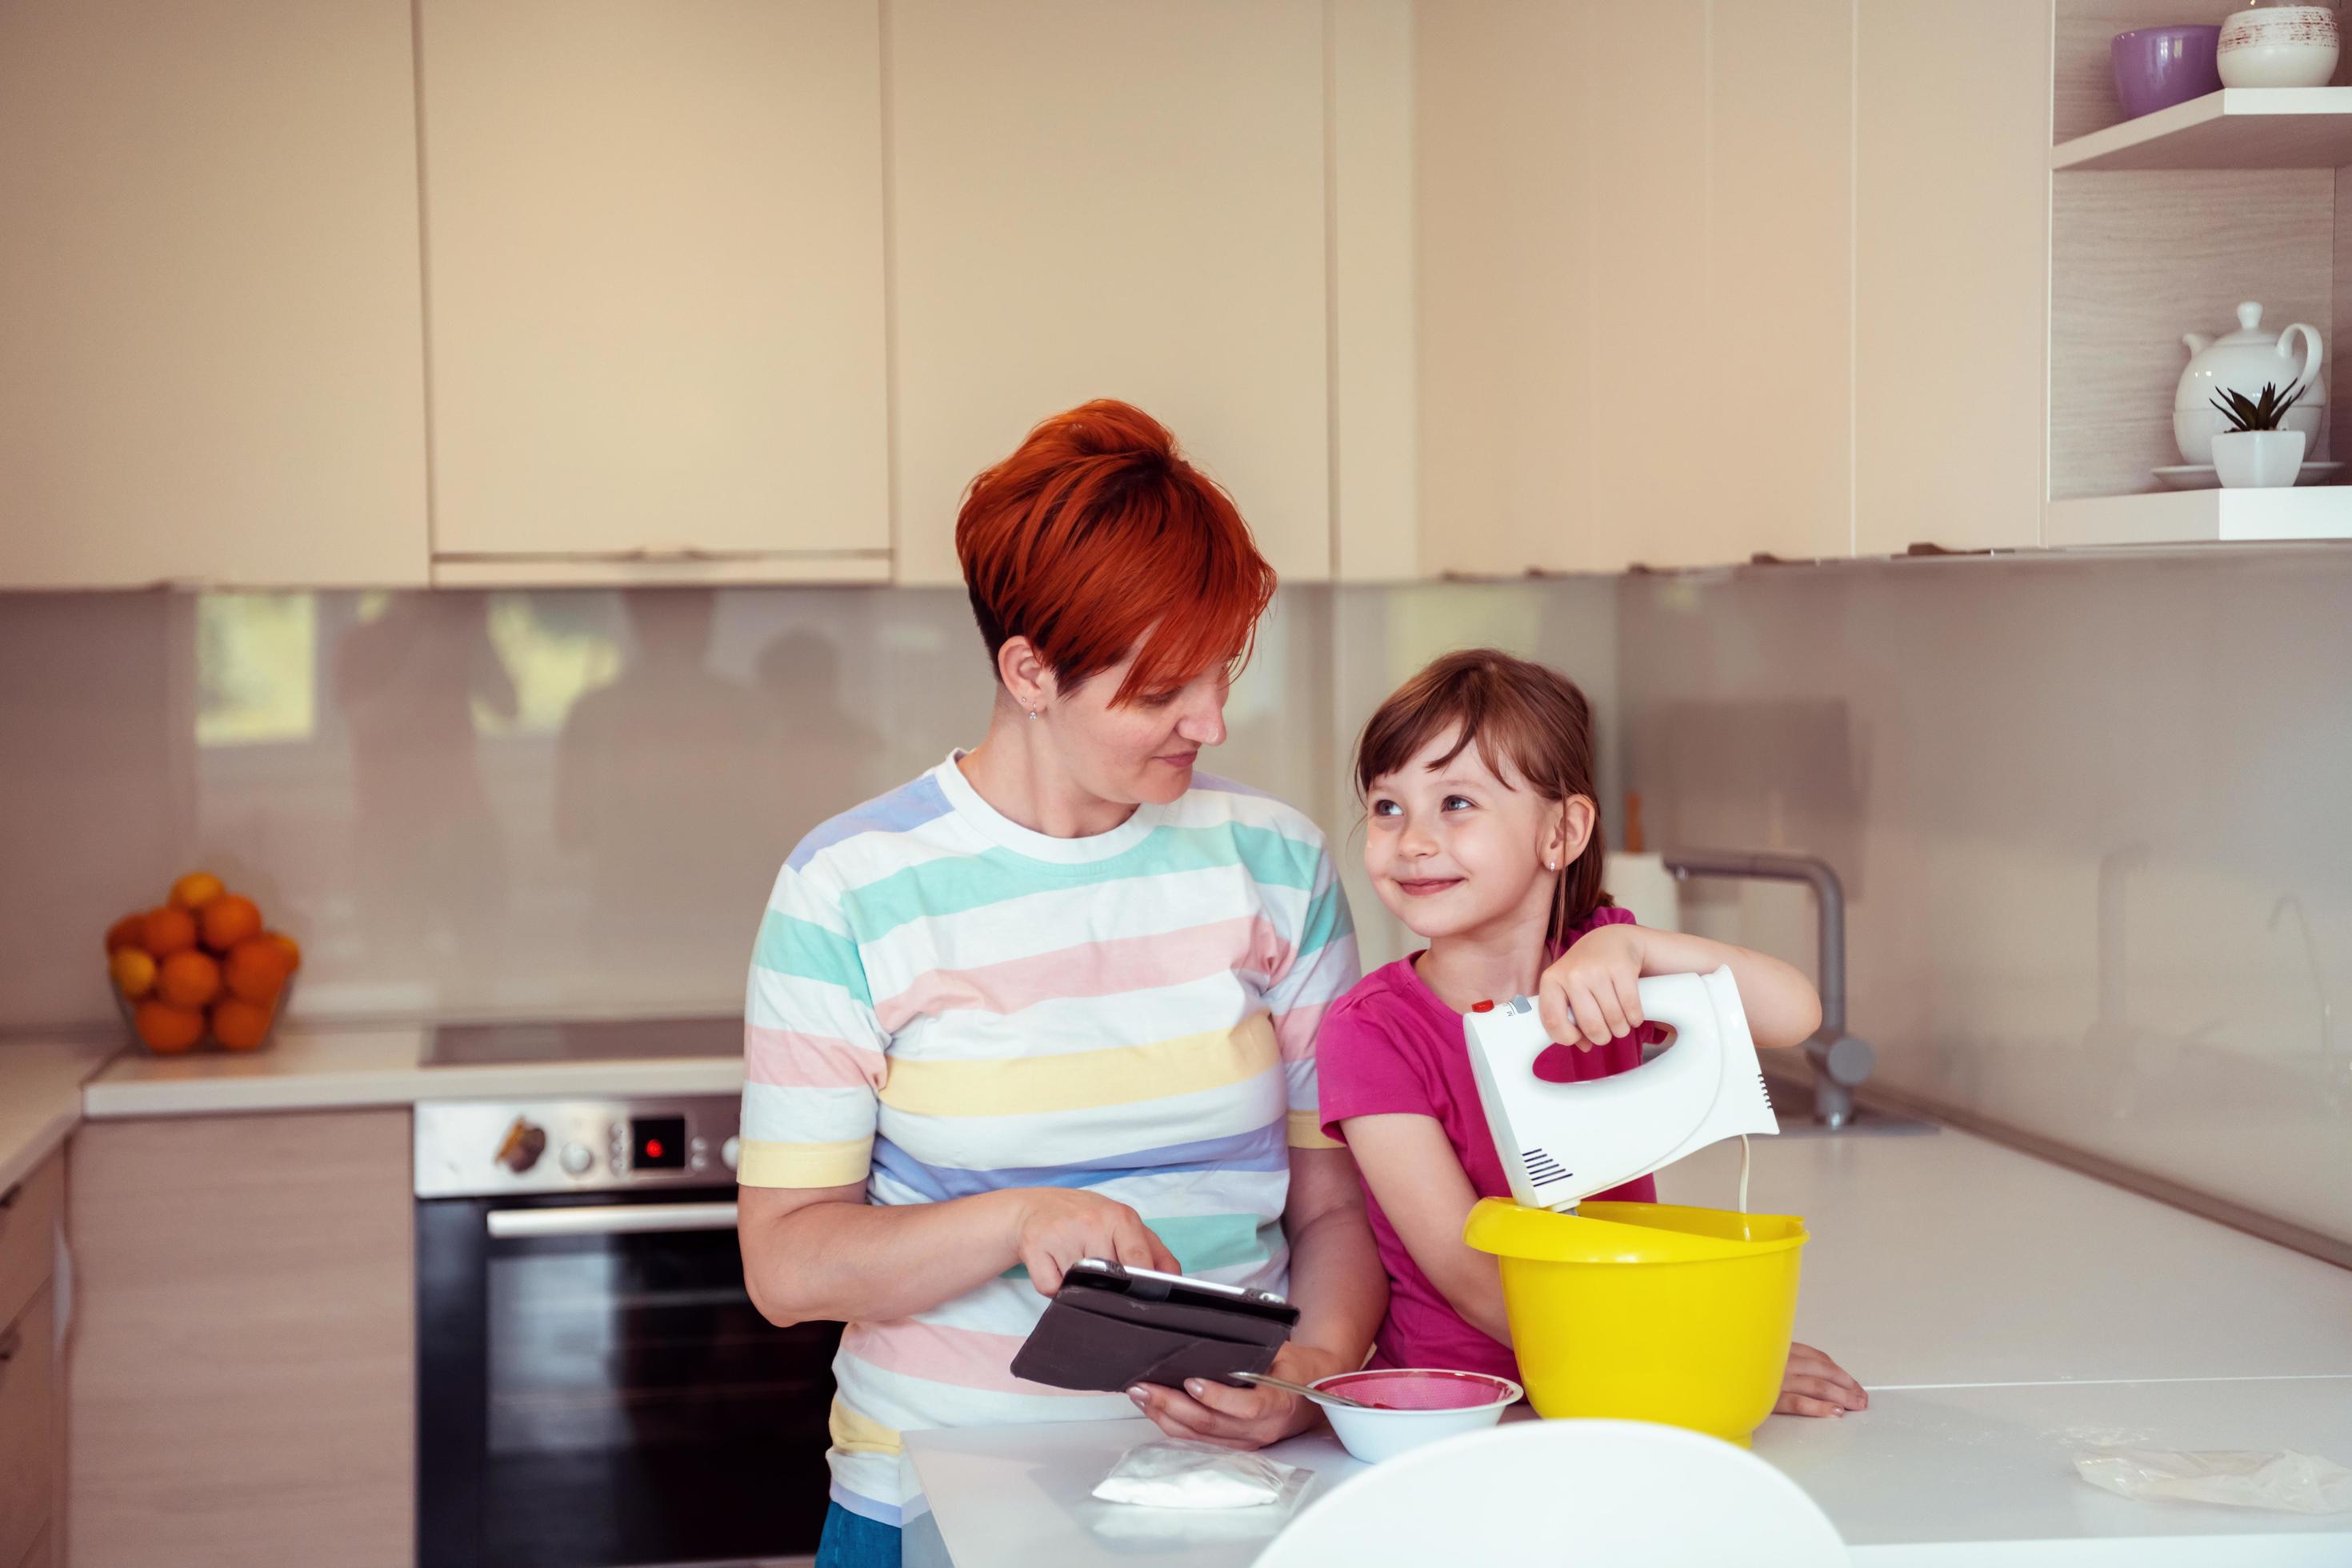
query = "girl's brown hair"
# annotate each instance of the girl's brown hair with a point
(1527, 721)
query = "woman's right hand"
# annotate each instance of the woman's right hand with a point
(1052, 1228)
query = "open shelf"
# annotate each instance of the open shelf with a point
(2236, 128)
(2201, 517)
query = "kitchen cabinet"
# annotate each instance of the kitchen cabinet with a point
(1952, 273)
(241, 1377)
(211, 340)
(31, 1414)
(653, 238)
(1127, 201)
(1634, 286)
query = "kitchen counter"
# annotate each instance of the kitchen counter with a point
(40, 1098)
(323, 1069)
(2004, 1314)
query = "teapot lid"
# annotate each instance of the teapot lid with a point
(2249, 326)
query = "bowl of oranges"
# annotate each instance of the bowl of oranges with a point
(200, 967)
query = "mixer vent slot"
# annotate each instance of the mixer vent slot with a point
(1764, 1088)
(1542, 1169)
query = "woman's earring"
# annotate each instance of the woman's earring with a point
(1032, 712)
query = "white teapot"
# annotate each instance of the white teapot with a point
(2244, 361)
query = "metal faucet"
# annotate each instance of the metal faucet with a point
(1840, 1061)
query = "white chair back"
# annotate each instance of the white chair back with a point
(1622, 1494)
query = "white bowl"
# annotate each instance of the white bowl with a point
(1372, 1435)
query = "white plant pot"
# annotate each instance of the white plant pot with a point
(2258, 459)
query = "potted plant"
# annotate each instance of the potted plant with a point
(2254, 453)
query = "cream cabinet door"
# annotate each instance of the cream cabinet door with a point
(1952, 254)
(1635, 284)
(211, 343)
(1110, 200)
(655, 263)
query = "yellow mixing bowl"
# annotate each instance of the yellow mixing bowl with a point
(1647, 1311)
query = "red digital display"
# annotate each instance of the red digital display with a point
(657, 1143)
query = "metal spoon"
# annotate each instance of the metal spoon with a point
(1320, 1396)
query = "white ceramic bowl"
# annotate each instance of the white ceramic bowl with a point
(1372, 1435)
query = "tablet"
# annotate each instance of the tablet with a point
(1111, 1326)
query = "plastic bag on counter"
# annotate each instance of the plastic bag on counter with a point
(1177, 1473)
(2276, 1478)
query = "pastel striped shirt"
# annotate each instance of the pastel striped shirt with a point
(943, 1002)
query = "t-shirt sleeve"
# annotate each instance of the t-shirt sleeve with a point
(1322, 965)
(813, 1053)
(1368, 1065)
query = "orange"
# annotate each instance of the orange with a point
(255, 969)
(228, 920)
(292, 949)
(240, 1025)
(169, 930)
(129, 931)
(195, 889)
(188, 979)
(133, 971)
(166, 1028)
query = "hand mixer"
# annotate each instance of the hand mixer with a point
(1561, 1142)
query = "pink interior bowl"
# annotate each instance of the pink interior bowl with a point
(1416, 1406)
(1421, 1388)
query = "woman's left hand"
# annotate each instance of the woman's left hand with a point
(1591, 995)
(1212, 1412)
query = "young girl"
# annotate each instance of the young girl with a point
(1481, 835)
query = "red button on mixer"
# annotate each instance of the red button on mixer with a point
(1482, 1006)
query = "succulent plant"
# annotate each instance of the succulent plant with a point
(2265, 413)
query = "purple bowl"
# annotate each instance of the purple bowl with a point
(2156, 67)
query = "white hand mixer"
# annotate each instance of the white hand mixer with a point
(1562, 1142)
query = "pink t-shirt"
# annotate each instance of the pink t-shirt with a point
(1391, 1047)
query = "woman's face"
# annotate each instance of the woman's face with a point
(1451, 849)
(1142, 752)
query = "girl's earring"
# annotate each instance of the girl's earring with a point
(1549, 865)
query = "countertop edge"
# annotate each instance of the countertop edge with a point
(23, 1156)
(142, 1095)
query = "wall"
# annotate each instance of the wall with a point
(2091, 814)
(572, 803)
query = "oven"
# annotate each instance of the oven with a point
(595, 1387)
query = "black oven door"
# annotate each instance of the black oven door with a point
(595, 1389)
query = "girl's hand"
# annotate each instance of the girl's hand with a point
(1052, 1228)
(1210, 1411)
(1816, 1386)
(1589, 996)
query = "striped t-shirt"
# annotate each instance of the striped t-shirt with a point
(944, 1002)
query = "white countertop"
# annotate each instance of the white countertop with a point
(320, 1069)
(40, 1098)
(2003, 1313)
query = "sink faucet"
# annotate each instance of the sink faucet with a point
(1839, 1061)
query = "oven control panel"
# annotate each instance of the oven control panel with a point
(484, 1149)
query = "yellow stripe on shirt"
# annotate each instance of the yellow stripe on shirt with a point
(765, 1164)
(1307, 1131)
(1081, 1081)
(856, 1434)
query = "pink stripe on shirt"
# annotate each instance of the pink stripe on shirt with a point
(1247, 946)
(966, 1358)
(797, 1061)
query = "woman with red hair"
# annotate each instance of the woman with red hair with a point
(1056, 998)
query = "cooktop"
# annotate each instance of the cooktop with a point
(584, 1041)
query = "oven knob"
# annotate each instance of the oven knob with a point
(578, 1159)
(730, 1151)
(521, 1147)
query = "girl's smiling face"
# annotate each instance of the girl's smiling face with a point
(1453, 849)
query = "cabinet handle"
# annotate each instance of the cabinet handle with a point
(8, 1199)
(616, 1219)
(10, 1344)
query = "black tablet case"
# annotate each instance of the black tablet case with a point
(1108, 1333)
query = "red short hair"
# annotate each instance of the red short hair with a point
(1095, 538)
